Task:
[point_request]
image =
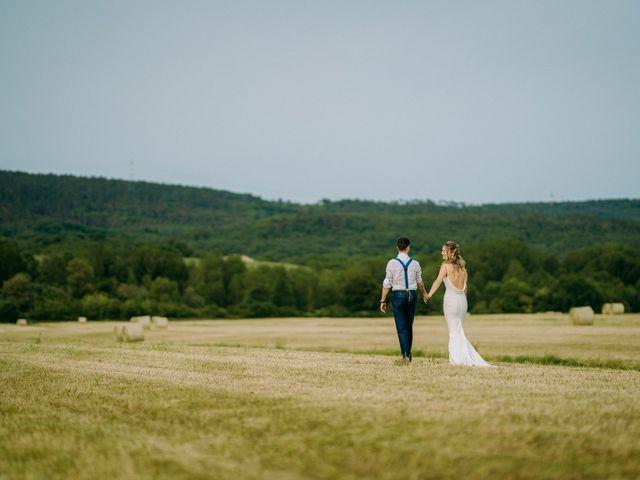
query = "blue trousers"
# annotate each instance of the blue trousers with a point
(404, 310)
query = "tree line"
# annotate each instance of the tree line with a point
(118, 279)
(52, 213)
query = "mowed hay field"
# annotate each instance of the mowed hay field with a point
(321, 398)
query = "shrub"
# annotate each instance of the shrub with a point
(99, 306)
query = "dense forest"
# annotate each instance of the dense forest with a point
(112, 249)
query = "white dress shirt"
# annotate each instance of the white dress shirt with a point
(395, 274)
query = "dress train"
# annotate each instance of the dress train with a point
(461, 352)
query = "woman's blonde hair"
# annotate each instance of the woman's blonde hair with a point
(454, 257)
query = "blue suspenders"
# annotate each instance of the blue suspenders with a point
(406, 275)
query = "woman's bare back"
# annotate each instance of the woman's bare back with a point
(457, 276)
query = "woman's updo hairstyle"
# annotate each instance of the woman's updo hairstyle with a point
(453, 254)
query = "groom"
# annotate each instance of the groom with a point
(403, 278)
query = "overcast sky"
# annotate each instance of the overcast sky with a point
(471, 101)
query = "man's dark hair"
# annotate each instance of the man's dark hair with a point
(403, 243)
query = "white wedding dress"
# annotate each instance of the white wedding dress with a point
(461, 352)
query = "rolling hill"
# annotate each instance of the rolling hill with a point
(50, 212)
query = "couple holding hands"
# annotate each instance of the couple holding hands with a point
(404, 279)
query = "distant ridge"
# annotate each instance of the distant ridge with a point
(48, 210)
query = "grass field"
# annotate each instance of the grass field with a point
(321, 398)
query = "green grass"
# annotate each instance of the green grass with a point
(317, 398)
(531, 359)
(567, 362)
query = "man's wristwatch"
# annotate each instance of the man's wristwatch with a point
(383, 301)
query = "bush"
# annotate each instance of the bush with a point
(173, 309)
(9, 312)
(55, 309)
(164, 290)
(18, 291)
(332, 311)
(573, 289)
(254, 309)
(131, 308)
(99, 306)
(213, 311)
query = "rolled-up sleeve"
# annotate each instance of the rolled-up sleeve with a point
(388, 279)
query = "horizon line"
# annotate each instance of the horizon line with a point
(440, 202)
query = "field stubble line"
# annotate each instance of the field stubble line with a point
(547, 359)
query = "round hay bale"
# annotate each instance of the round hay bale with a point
(617, 308)
(144, 320)
(133, 332)
(613, 308)
(82, 319)
(160, 322)
(21, 322)
(581, 315)
(117, 332)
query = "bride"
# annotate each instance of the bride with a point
(454, 275)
